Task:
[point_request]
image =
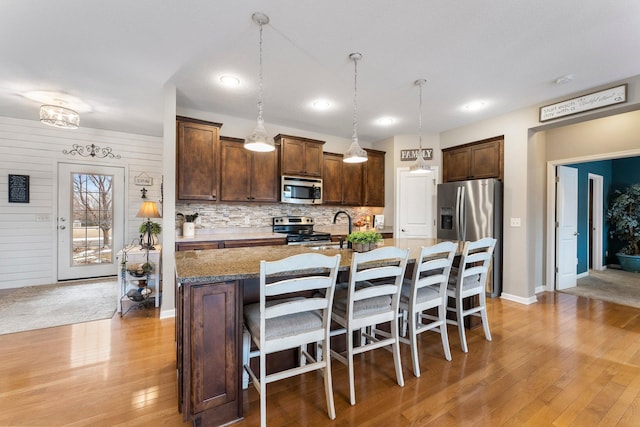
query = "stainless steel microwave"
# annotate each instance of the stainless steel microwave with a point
(301, 190)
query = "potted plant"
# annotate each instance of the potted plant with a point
(188, 226)
(149, 231)
(363, 241)
(624, 217)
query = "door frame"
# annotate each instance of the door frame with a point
(396, 220)
(598, 222)
(550, 284)
(117, 239)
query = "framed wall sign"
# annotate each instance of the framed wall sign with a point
(143, 179)
(407, 155)
(18, 188)
(591, 101)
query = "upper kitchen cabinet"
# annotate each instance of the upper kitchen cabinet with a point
(247, 176)
(332, 182)
(300, 156)
(478, 160)
(197, 159)
(341, 182)
(353, 184)
(373, 178)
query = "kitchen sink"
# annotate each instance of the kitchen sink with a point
(325, 247)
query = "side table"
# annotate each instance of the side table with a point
(127, 281)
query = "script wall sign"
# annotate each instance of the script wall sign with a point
(18, 188)
(592, 101)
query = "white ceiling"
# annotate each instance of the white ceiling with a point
(117, 55)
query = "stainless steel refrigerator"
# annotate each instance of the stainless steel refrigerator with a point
(472, 210)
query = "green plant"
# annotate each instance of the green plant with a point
(155, 228)
(188, 218)
(364, 237)
(624, 217)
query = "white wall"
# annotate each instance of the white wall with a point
(525, 183)
(28, 248)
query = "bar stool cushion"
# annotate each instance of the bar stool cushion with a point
(283, 326)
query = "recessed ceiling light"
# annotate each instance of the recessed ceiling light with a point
(385, 121)
(475, 106)
(230, 81)
(321, 104)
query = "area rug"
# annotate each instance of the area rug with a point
(38, 307)
(621, 287)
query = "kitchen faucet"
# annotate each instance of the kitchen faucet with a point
(350, 226)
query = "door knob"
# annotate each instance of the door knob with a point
(403, 230)
(62, 227)
(576, 233)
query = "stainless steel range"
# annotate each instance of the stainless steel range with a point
(299, 230)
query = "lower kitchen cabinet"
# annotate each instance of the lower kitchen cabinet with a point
(208, 352)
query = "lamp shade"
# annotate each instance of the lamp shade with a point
(148, 210)
(59, 117)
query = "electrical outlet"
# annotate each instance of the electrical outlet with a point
(43, 218)
(515, 222)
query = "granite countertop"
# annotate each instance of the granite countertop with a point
(248, 233)
(217, 265)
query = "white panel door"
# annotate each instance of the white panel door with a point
(567, 227)
(416, 207)
(90, 220)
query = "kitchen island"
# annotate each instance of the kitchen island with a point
(212, 287)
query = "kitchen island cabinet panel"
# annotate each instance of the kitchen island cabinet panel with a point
(197, 160)
(210, 353)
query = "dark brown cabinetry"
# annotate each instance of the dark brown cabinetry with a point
(197, 160)
(353, 184)
(478, 160)
(243, 243)
(300, 156)
(247, 176)
(209, 350)
(373, 179)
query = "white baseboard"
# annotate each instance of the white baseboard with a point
(581, 275)
(167, 314)
(521, 300)
(540, 289)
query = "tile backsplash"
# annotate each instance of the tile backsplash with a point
(259, 216)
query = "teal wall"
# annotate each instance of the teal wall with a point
(616, 174)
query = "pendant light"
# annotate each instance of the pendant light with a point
(259, 140)
(355, 153)
(420, 166)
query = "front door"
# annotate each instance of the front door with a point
(567, 227)
(90, 220)
(416, 204)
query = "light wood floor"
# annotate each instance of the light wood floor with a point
(564, 361)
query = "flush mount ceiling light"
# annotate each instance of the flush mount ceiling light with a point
(474, 106)
(386, 121)
(259, 140)
(420, 166)
(230, 81)
(355, 153)
(59, 116)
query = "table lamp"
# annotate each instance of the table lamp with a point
(148, 210)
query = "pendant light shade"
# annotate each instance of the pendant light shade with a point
(259, 140)
(60, 117)
(355, 153)
(420, 166)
